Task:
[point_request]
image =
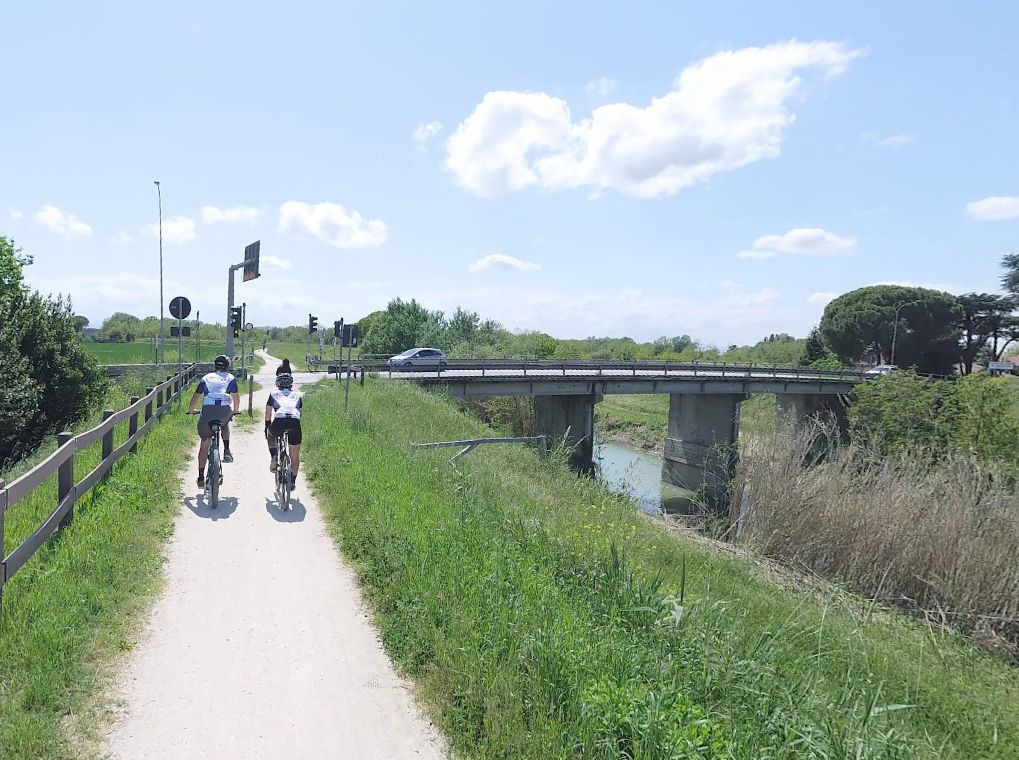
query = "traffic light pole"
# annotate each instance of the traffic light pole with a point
(230, 309)
(244, 316)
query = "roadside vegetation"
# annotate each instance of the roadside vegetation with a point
(542, 616)
(73, 607)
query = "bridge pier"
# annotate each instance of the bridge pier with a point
(570, 418)
(807, 407)
(701, 447)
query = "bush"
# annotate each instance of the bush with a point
(47, 379)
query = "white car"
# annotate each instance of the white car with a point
(881, 369)
(418, 357)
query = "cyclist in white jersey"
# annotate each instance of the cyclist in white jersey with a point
(283, 412)
(220, 401)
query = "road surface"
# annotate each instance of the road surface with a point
(260, 646)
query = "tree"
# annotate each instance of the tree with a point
(47, 379)
(403, 325)
(985, 317)
(922, 323)
(1010, 280)
(80, 322)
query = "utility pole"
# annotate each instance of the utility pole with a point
(162, 347)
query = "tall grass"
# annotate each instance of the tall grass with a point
(69, 609)
(941, 540)
(543, 617)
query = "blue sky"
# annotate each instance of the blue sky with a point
(635, 169)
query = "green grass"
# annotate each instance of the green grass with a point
(543, 617)
(296, 352)
(71, 608)
(141, 352)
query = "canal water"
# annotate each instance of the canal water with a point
(638, 474)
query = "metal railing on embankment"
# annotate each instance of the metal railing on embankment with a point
(150, 407)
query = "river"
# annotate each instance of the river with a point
(638, 474)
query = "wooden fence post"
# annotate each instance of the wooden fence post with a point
(148, 405)
(65, 477)
(132, 425)
(108, 435)
(159, 401)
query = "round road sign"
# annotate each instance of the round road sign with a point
(180, 307)
(249, 327)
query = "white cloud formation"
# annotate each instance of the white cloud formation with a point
(122, 238)
(65, 225)
(502, 261)
(888, 141)
(600, 87)
(823, 298)
(15, 214)
(996, 208)
(724, 112)
(809, 241)
(277, 262)
(212, 214)
(178, 229)
(425, 132)
(332, 224)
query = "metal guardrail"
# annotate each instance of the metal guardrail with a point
(150, 407)
(472, 443)
(491, 367)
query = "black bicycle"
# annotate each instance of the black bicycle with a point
(284, 481)
(214, 467)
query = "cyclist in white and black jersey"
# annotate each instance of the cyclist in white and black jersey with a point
(283, 412)
(220, 401)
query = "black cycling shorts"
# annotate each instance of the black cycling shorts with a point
(292, 426)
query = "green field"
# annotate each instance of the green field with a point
(542, 616)
(143, 352)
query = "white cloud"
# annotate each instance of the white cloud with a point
(425, 132)
(822, 298)
(888, 141)
(15, 214)
(332, 224)
(809, 241)
(122, 238)
(600, 87)
(502, 261)
(996, 208)
(212, 214)
(277, 262)
(178, 229)
(724, 112)
(66, 225)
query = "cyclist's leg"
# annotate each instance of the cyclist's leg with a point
(224, 433)
(273, 440)
(295, 449)
(205, 435)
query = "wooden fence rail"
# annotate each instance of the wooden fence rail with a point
(61, 462)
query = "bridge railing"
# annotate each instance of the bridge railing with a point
(146, 410)
(492, 367)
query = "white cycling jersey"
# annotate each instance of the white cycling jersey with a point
(217, 387)
(286, 403)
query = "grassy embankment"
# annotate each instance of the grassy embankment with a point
(642, 420)
(543, 617)
(141, 352)
(71, 608)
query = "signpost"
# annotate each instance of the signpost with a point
(349, 340)
(250, 267)
(180, 308)
(1000, 368)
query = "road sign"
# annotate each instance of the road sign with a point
(248, 327)
(1000, 366)
(180, 331)
(180, 307)
(350, 335)
(251, 253)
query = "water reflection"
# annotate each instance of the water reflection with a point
(638, 474)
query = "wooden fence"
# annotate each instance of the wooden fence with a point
(149, 408)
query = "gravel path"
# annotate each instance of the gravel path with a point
(260, 646)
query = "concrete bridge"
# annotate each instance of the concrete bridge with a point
(700, 447)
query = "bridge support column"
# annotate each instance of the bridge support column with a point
(701, 448)
(570, 418)
(807, 407)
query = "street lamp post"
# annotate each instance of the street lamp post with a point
(895, 328)
(162, 348)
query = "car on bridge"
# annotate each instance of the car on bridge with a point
(418, 357)
(881, 369)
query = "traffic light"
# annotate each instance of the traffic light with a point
(236, 318)
(312, 324)
(338, 328)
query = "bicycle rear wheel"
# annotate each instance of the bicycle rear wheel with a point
(212, 479)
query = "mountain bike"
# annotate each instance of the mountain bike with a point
(214, 467)
(283, 476)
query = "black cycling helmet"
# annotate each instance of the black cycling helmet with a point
(283, 381)
(221, 362)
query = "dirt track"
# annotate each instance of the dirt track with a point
(260, 646)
